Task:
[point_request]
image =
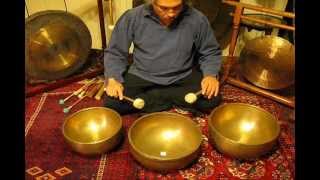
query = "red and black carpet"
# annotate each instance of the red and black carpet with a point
(48, 157)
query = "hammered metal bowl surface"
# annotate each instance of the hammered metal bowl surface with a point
(164, 141)
(93, 131)
(243, 131)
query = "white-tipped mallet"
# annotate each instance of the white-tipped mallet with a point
(137, 103)
(192, 97)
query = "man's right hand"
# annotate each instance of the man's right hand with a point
(114, 88)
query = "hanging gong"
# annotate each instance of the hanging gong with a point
(217, 14)
(268, 62)
(57, 44)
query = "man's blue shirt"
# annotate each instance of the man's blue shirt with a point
(162, 54)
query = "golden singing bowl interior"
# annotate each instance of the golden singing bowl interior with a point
(92, 130)
(243, 131)
(268, 62)
(164, 141)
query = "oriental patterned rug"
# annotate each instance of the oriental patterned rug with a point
(48, 157)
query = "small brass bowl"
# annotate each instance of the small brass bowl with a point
(164, 141)
(93, 130)
(243, 131)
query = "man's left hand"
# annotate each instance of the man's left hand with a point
(209, 86)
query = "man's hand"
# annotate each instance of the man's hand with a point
(209, 86)
(114, 88)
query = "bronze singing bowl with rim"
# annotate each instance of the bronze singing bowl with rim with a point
(242, 131)
(164, 141)
(268, 62)
(93, 131)
(57, 44)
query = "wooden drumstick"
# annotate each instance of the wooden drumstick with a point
(94, 90)
(75, 93)
(128, 99)
(192, 97)
(99, 93)
(88, 94)
(84, 91)
(67, 109)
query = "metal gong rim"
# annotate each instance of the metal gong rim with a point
(57, 44)
(217, 14)
(268, 62)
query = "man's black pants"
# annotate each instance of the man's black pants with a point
(160, 98)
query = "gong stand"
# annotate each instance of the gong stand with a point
(101, 23)
(231, 59)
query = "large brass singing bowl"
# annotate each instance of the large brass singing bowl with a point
(242, 131)
(93, 130)
(164, 141)
(268, 62)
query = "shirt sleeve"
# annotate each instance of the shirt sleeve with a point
(116, 54)
(210, 54)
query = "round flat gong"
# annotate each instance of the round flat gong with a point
(57, 44)
(268, 62)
